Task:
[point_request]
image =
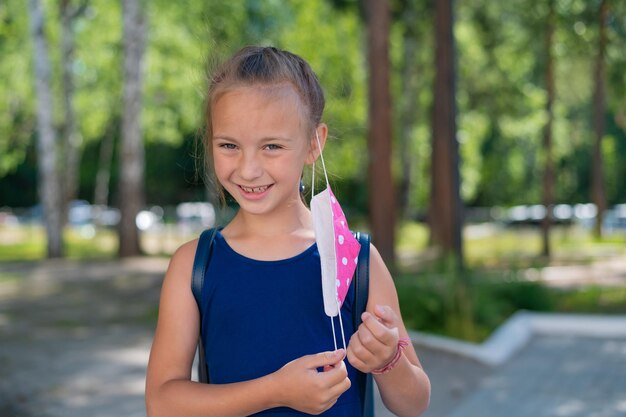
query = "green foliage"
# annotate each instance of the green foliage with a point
(97, 69)
(340, 67)
(500, 85)
(593, 299)
(428, 302)
(16, 105)
(496, 301)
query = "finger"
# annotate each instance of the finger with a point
(356, 348)
(382, 333)
(374, 335)
(369, 351)
(340, 387)
(320, 360)
(367, 340)
(335, 375)
(386, 315)
(357, 362)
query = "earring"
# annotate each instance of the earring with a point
(301, 186)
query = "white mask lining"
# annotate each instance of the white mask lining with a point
(332, 322)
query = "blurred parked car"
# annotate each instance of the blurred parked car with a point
(195, 215)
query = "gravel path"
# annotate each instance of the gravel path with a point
(75, 337)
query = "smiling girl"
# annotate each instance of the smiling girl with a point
(262, 323)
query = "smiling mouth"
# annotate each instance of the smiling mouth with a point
(255, 190)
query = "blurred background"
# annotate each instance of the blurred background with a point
(480, 142)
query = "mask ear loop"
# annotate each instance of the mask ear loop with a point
(312, 181)
(319, 146)
(332, 321)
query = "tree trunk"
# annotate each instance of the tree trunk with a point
(548, 170)
(409, 110)
(70, 132)
(381, 188)
(597, 181)
(105, 159)
(131, 149)
(49, 184)
(445, 200)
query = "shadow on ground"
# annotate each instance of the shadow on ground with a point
(75, 336)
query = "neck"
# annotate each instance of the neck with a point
(294, 218)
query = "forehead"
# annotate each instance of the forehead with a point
(261, 106)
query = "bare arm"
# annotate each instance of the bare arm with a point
(405, 389)
(170, 391)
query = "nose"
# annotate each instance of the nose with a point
(250, 167)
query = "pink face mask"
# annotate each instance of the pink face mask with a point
(338, 248)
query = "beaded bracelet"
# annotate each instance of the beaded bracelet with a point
(402, 343)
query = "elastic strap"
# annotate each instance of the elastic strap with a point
(319, 146)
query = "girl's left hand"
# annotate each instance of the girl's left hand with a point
(375, 342)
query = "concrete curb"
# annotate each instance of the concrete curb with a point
(518, 330)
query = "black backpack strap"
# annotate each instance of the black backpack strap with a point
(200, 263)
(361, 278)
(361, 294)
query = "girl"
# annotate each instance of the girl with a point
(265, 333)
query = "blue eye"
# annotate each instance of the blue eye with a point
(272, 147)
(228, 146)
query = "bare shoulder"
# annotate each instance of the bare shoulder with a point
(181, 263)
(185, 252)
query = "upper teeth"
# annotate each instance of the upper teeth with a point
(255, 189)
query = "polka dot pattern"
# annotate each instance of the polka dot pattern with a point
(346, 248)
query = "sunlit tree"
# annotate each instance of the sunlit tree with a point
(132, 159)
(49, 181)
(445, 200)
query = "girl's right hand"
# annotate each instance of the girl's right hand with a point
(303, 388)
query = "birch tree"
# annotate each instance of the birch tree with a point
(70, 134)
(131, 185)
(49, 188)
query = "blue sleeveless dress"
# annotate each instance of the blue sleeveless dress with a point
(259, 315)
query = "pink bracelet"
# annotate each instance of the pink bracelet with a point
(402, 343)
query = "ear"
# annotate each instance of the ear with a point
(315, 148)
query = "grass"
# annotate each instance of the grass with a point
(8, 278)
(492, 245)
(28, 243)
(592, 299)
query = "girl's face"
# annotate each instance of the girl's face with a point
(260, 146)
